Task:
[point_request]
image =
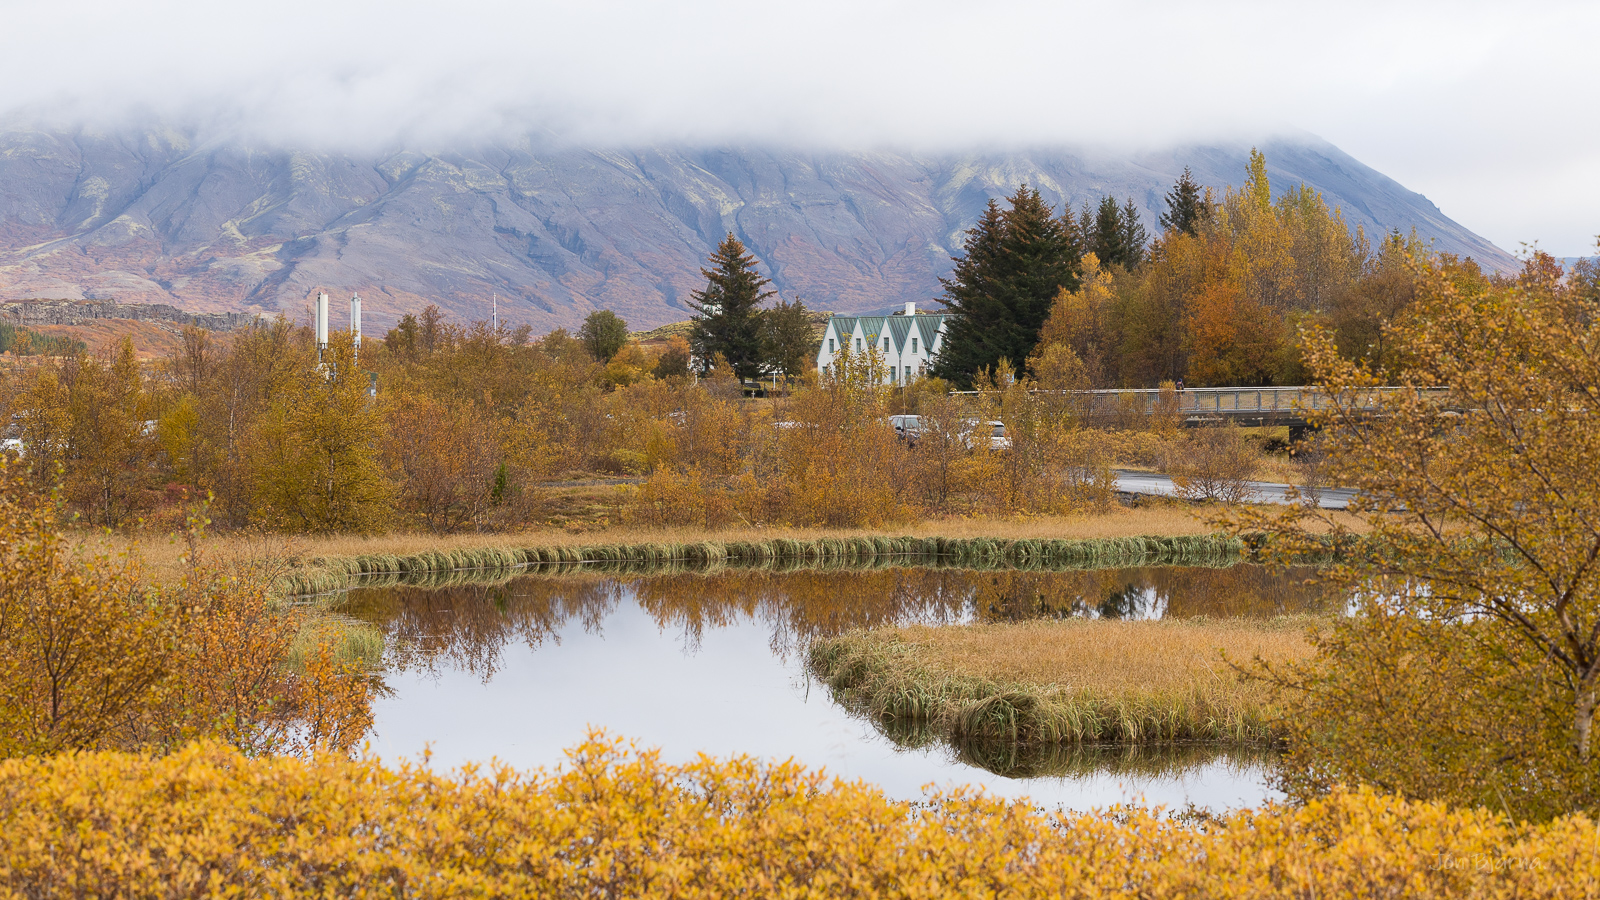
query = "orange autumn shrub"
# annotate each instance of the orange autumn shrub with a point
(618, 822)
(830, 458)
(94, 658)
(672, 496)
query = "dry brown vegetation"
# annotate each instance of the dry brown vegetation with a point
(1070, 680)
(1108, 658)
(153, 339)
(163, 554)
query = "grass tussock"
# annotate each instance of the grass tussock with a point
(354, 643)
(1063, 681)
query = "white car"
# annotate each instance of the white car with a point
(975, 432)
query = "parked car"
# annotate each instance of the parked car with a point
(907, 428)
(975, 432)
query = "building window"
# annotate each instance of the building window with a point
(891, 376)
(908, 373)
(886, 345)
(830, 345)
(858, 345)
(913, 345)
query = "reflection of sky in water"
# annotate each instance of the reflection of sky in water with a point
(722, 692)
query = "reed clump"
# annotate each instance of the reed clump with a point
(355, 645)
(448, 566)
(164, 559)
(1064, 681)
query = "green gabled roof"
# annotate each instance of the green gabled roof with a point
(899, 329)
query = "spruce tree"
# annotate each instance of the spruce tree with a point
(730, 319)
(1014, 264)
(1132, 238)
(1185, 205)
(1115, 234)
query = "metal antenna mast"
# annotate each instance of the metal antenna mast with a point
(322, 323)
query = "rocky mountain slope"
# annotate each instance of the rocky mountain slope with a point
(159, 216)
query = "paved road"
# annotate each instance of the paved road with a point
(1260, 491)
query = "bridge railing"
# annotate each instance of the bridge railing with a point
(1225, 402)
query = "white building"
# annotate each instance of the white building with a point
(907, 342)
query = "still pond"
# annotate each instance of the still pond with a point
(694, 663)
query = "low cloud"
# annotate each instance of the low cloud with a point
(1473, 104)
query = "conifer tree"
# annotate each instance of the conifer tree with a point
(730, 320)
(1114, 234)
(1015, 263)
(1132, 237)
(1185, 205)
(789, 345)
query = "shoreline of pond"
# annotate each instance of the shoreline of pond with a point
(438, 568)
(1111, 684)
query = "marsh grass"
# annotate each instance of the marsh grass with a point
(438, 568)
(162, 554)
(355, 643)
(1063, 681)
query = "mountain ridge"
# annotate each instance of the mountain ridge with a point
(156, 215)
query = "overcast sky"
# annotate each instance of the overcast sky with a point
(1490, 109)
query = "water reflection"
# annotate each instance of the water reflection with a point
(1171, 592)
(1021, 761)
(469, 626)
(711, 662)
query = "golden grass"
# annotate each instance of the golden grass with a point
(162, 554)
(1064, 681)
(1106, 657)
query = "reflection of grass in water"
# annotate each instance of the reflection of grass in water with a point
(441, 566)
(353, 641)
(466, 624)
(1011, 759)
(1141, 760)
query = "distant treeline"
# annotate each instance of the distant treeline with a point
(25, 342)
(1218, 298)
